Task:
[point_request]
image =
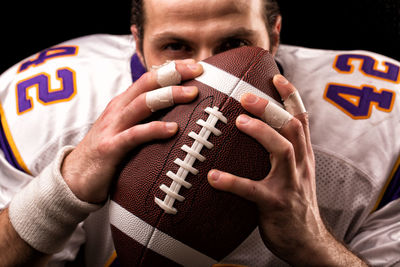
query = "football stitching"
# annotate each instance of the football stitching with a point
(192, 154)
(186, 166)
(203, 101)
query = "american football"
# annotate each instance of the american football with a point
(163, 212)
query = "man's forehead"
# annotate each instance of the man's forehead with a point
(198, 9)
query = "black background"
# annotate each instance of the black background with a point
(29, 27)
(372, 25)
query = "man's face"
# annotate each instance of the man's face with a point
(177, 29)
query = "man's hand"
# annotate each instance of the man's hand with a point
(89, 168)
(290, 222)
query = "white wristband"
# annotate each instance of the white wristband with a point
(46, 212)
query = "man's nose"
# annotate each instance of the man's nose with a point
(203, 54)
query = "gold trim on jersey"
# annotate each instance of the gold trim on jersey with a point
(111, 259)
(11, 142)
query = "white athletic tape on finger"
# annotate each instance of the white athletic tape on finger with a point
(276, 116)
(159, 99)
(294, 105)
(168, 75)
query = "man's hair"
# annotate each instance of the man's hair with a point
(271, 13)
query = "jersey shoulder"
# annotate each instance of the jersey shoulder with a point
(99, 46)
(353, 101)
(60, 89)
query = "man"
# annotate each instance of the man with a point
(290, 223)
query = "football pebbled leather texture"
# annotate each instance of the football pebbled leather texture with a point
(163, 212)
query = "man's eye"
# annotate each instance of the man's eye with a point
(176, 47)
(231, 44)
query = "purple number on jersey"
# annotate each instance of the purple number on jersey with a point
(357, 102)
(58, 51)
(45, 94)
(368, 67)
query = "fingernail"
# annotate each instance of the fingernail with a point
(189, 90)
(281, 80)
(243, 119)
(214, 175)
(171, 126)
(251, 99)
(193, 66)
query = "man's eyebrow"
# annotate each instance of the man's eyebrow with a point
(169, 35)
(232, 33)
(238, 32)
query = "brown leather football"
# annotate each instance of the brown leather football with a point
(163, 212)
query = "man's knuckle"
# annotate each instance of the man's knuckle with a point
(148, 76)
(287, 151)
(248, 189)
(104, 146)
(113, 104)
(251, 191)
(257, 125)
(296, 125)
(154, 126)
(144, 81)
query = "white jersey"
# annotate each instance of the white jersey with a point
(353, 101)
(52, 99)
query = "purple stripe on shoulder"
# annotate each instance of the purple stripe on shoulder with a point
(392, 191)
(5, 147)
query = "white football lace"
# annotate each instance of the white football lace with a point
(186, 165)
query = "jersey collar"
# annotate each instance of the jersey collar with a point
(137, 69)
